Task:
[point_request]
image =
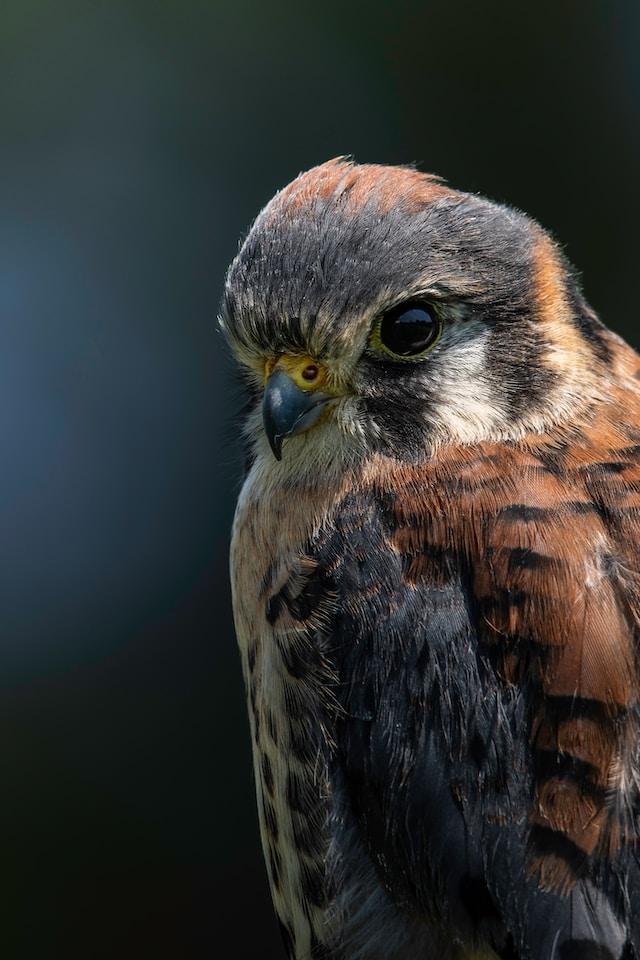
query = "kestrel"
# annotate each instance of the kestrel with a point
(436, 578)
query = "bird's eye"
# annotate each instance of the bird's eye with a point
(408, 331)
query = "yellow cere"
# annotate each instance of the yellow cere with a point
(306, 373)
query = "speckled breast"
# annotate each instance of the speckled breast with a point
(288, 691)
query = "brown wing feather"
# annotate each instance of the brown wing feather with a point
(550, 529)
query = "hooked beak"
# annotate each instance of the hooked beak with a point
(288, 410)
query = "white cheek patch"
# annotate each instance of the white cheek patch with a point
(467, 407)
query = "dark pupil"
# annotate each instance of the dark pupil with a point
(408, 329)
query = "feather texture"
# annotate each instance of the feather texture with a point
(437, 595)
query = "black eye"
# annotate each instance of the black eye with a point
(408, 330)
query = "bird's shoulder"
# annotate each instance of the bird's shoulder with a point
(507, 572)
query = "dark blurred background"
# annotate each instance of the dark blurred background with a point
(138, 140)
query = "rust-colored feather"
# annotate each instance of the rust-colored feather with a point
(549, 530)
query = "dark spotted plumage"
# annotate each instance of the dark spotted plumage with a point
(437, 589)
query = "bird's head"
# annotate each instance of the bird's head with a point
(375, 310)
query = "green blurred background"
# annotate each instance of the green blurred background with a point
(138, 140)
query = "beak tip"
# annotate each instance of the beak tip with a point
(276, 449)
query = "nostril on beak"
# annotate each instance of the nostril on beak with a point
(287, 410)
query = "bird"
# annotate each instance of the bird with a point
(435, 577)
